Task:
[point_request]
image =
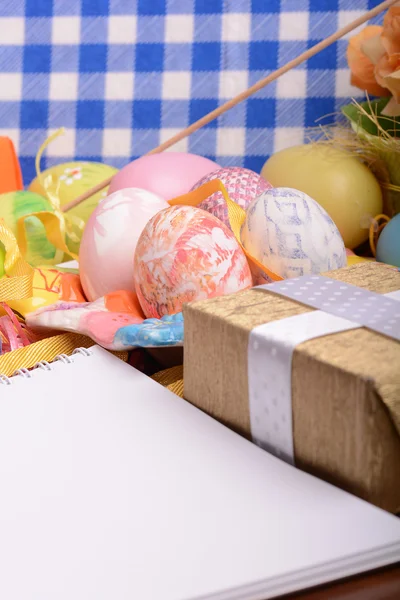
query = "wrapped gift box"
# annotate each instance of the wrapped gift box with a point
(344, 387)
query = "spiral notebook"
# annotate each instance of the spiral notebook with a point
(114, 488)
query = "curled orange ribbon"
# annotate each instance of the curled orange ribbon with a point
(236, 216)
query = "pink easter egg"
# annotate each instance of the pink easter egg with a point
(109, 240)
(242, 185)
(349, 252)
(168, 174)
(186, 254)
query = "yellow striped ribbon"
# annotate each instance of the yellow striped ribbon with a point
(17, 281)
(172, 379)
(47, 349)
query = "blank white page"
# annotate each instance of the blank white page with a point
(112, 488)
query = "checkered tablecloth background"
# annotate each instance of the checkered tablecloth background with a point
(123, 75)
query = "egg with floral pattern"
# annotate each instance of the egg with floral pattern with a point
(292, 235)
(186, 254)
(242, 185)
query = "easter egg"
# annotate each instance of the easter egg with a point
(186, 254)
(291, 235)
(109, 240)
(242, 185)
(388, 246)
(336, 179)
(15, 205)
(67, 181)
(168, 174)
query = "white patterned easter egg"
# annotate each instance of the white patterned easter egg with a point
(242, 185)
(291, 234)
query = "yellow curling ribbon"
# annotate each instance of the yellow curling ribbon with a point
(236, 216)
(61, 228)
(376, 229)
(17, 282)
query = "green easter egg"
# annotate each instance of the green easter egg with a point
(14, 205)
(69, 180)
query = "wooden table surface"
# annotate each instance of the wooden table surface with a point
(376, 585)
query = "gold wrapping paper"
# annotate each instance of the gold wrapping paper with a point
(345, 387)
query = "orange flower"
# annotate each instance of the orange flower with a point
(361, 66)
(391, 30)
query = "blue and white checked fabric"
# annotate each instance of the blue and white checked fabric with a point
(124, 75)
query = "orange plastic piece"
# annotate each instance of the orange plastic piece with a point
(10, 170)
(123, 301)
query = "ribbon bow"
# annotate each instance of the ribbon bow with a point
(63, 230)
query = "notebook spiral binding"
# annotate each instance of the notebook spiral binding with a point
(44, 366)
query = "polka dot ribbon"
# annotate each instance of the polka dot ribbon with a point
(341, 307)
(360, 306)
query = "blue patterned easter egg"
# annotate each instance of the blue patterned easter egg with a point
(291, 234)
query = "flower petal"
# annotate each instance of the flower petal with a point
(391, 30)
(361, 67)
(393, 84)
(386, 73)
(371, 87)
(373, 48)
(392, 109)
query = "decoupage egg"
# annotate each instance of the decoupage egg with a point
(290, 234)
(67, 181)
(15, 205)
(242, 185)
(336, 179)
(109, 240)
(186, 254)
(168, 174)
(388, 246)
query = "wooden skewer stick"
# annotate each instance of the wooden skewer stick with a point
(246, 93)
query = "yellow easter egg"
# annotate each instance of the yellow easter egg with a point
(336, 179)
(69, 180)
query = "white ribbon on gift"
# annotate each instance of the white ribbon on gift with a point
(340, 307)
